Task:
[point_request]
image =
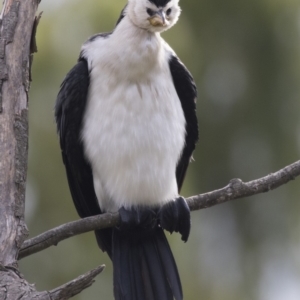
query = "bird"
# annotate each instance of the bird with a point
(127, 126)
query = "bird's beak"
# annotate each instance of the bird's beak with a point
(158, 19)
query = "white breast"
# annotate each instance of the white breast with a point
(134, 125)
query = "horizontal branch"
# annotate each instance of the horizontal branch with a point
(239, 189)
(234, 190)
(62, 232)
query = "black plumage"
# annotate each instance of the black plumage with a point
(160, 3)
(144, 267)
(187, 93)
(122, 15)
(69, 112)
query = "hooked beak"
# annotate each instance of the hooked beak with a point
(158, 19)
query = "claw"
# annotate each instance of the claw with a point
(175, 216)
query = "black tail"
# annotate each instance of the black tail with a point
(144, 267)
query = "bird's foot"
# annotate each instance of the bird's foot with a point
(175, 216)
(141, 218)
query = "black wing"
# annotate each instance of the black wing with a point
(187, 93)
(69, 112)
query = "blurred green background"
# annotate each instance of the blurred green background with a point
(245, 57)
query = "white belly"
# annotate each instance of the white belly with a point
(133, 134)
(133, 139)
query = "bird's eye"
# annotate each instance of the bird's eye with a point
(150, 12)
(168, 11)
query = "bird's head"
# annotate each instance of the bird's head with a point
(153, 15)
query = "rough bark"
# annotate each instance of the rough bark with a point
(15, 39)
(17, 42)
(13, 286)
(17, 18)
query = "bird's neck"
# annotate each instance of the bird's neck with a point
(141, 48)
(127, 30)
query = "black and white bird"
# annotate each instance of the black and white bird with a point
(126, 118)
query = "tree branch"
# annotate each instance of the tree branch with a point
(62, 232)
(75, 286)
(234, 190)
(239, 189)
(14, 286)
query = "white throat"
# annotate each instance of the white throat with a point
(138, 51)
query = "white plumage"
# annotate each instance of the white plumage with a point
(126, 118)
(134, 127)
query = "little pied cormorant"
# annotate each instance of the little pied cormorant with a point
(126, 118)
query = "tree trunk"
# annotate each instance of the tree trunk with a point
(17, 42)
(17, 20)
(16, 28)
